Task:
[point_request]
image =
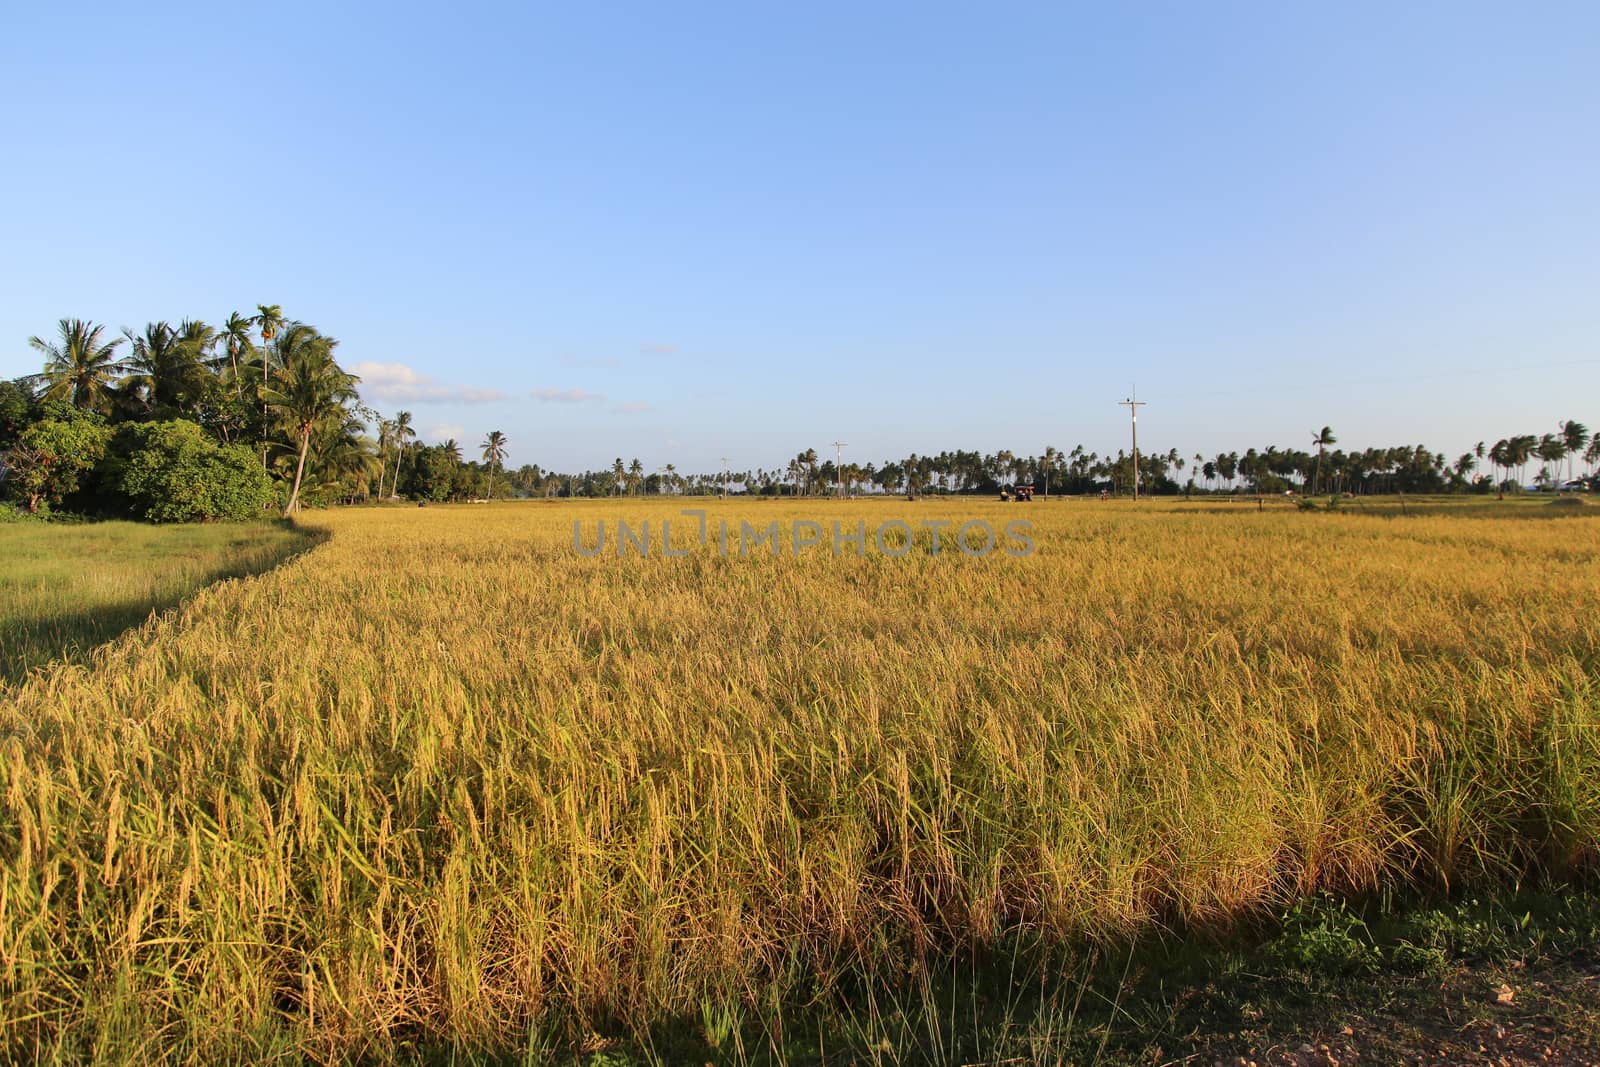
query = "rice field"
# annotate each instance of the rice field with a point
(448, 781)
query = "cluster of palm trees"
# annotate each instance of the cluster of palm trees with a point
(260, 378)
(1515, 452)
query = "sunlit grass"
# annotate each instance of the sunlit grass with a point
(66, 589)
(445, 779)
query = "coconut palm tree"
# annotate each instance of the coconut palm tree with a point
(494, 453)
(309, 393)
(1322, 439)
(1574, 435)
(81, 367)
(235, 339)
(167, 374)
(1550, 449)
(401, 433)
(200, 338)
(1500, 457)
(385, 439)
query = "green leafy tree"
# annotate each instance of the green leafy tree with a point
(49, 457)
(16, 411)
(173, 472)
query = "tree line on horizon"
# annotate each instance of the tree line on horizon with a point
(202, 422)
(1500, 467)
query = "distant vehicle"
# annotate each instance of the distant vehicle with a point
(1574, 486)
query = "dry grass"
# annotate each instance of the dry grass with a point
(443, 778)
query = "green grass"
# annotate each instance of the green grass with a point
(64, 590)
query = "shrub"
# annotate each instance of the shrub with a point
(173, 472)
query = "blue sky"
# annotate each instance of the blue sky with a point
(681, 231)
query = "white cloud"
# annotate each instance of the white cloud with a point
(441, 432)
(564, 396)
(397, 383)
(655, 348)
(633, 407)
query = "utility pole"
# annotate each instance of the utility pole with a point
(838, 467)
(1133, 404)
(724, 477)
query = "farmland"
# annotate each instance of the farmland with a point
(445, 780)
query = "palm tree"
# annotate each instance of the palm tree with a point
(310, 392)
(199, 338)
(1322, 439)
(269, 320)
(1551, 449)
(402, 433)
(1500, 457)
(81, 367)
(385, 439)
(235, 338)
(494, 451)
(340, 460)
(1574, 435)
(166, 368)
(1050, 461)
